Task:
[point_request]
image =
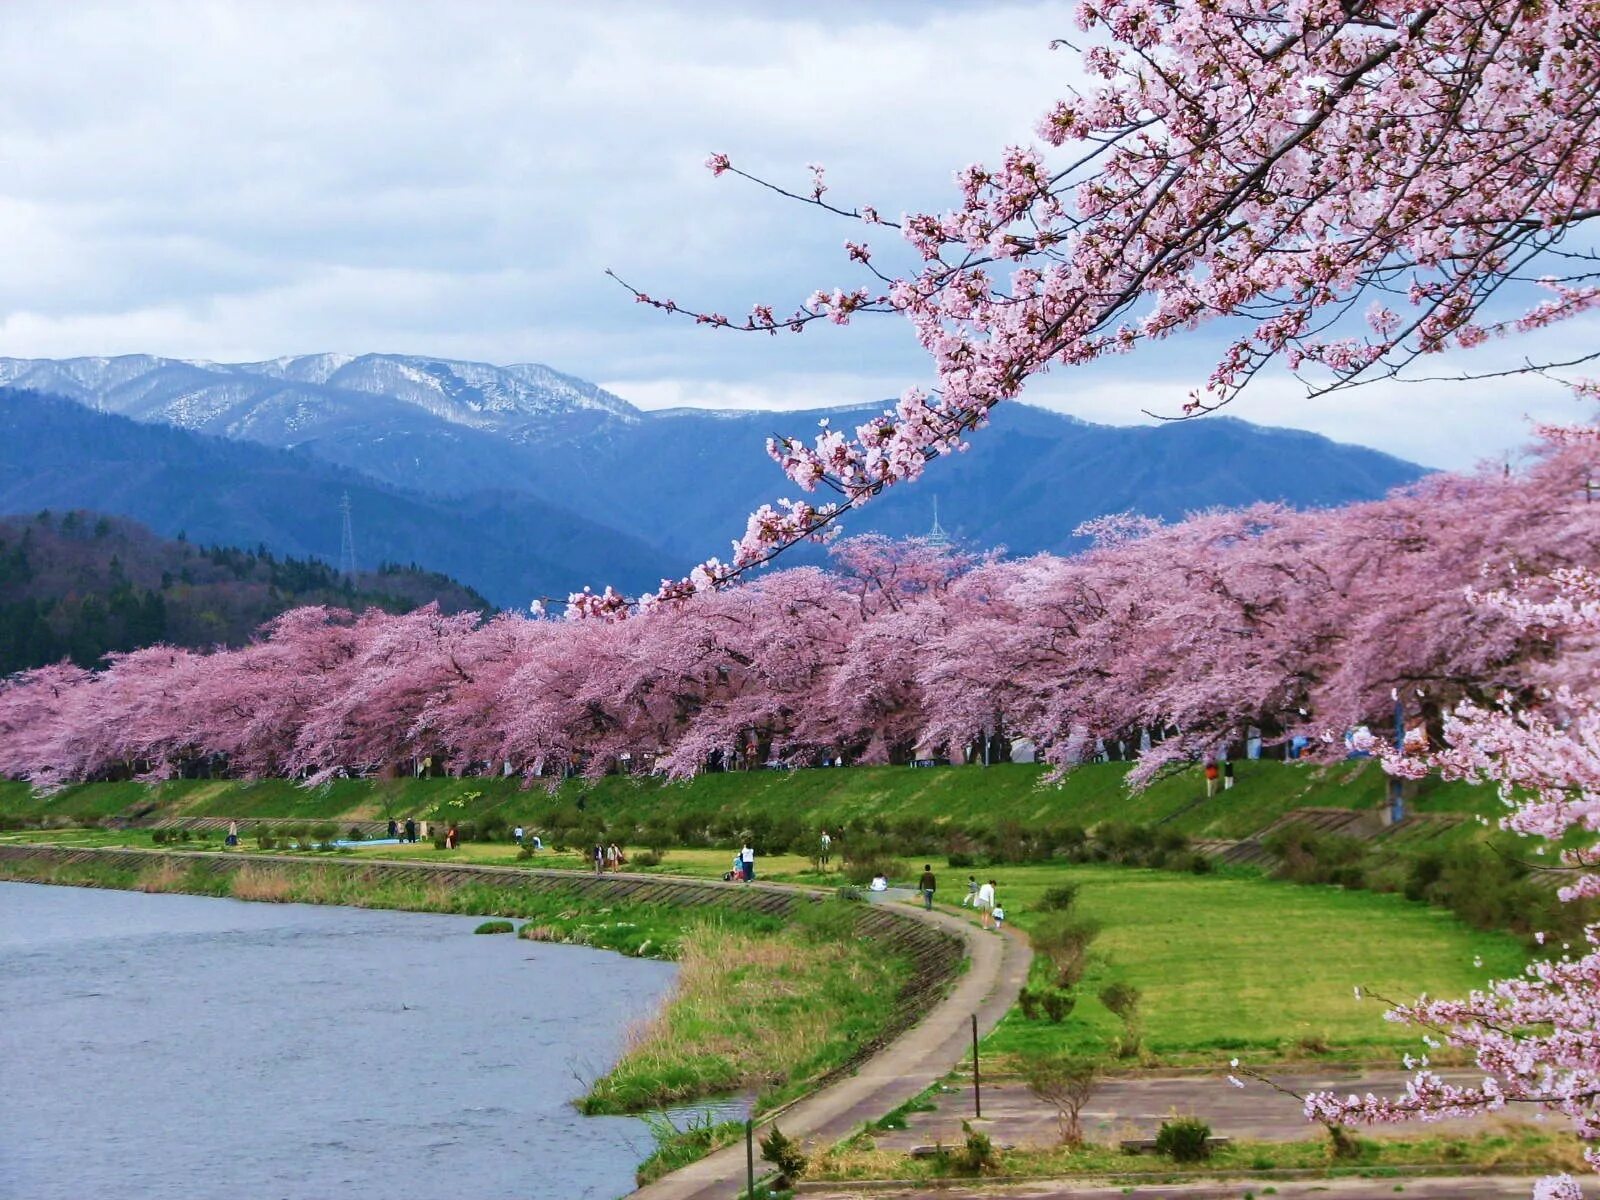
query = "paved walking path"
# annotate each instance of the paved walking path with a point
(997, 969)
(1134, 1106)
(1410, 1187)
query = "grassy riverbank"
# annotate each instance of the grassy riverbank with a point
(879, 799)
(763, 1004)
(757, 1013)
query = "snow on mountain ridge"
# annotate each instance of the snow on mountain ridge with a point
(330, 392)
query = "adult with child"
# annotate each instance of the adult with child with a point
(985, 905)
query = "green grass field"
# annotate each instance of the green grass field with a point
(1232, 965)
(818, 797)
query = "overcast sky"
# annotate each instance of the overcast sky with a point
(243, 181)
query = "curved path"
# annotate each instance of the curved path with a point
(997, 969)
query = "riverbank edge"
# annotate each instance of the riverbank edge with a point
(938, 947)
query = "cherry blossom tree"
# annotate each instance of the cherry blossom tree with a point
(1350, 184)
(1536, 1036)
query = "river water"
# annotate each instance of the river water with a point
(156, 1046)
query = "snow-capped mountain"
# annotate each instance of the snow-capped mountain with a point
(683, 480)
(306, 398)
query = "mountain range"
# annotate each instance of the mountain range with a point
(521, 480)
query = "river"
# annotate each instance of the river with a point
(156, 1046)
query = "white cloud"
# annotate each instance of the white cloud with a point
(249, 179)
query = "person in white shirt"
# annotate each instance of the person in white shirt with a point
(985, 904)
(879, 884)
(747, 860)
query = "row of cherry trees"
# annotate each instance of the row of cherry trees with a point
(1292, 622)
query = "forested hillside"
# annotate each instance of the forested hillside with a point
(79, 584)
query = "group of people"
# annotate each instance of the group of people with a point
(1216, 774)
(608, 857)
(407, 832)
(744, 864)
(981, 897)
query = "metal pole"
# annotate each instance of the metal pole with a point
(977, 1086)
(1397, 802)
(750, 1159)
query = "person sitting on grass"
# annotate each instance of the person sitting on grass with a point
(880, 883)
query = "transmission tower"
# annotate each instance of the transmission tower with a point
(937, 536)
(347, 541)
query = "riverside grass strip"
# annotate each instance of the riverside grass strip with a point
(932, 958)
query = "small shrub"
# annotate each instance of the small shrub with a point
(1059, 898)
(1184, 1140)
(961, 858)
(1058, 1006)
(1121, 998)
(158, 836)
(265, 841)
(1028, 1002)
(495, 927)
(1065, 1082)
(1065, 941)
(978, 1155)
(354, 834)
(649, 858)
(784, 1153)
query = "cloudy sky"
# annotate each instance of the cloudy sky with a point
(241, 181)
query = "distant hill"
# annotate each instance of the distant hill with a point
(1027, 481)
(57, 454)
(79, 584)
(622, 496)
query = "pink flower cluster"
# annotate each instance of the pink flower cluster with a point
(1282, 165)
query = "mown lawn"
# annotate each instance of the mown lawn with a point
(1234, 965)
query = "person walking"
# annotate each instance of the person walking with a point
(929, 885)
(747, 859)
(411, 829)
(827, 849)
(516, 835)
(452, 837)
(1227, 775)
(985, 905)
(599, 858)
(970, 900)
(393, 833)
(1211, 777)
(614, 852)
(233, 833)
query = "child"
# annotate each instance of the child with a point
(972, 892)
(999, 916)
